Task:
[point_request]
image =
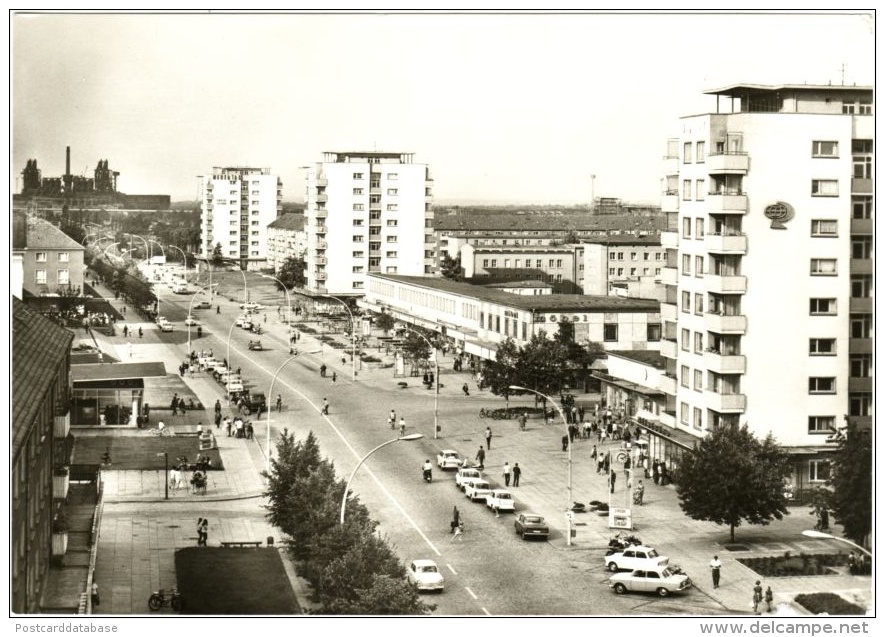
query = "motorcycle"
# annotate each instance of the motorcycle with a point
(162, 597)
(620, 542)
(428, 475)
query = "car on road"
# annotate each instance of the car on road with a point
(635, 557)
(190, 320)
(425, 575)
(161, 319)
(662, 580)
(477, 489)
(448, 459)
(240, 320)
(251, 307)
(500, 500)
(234, 387)
(208, 363)
(254, 404)
(246, 324)
(531, 525)
(203, 305)
(165, 326)
(464, 474)
(255, 345)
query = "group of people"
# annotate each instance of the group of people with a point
(759, 595)
(238, 428)
(178, 405)
(202, 531)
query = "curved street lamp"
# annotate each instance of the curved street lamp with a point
(190, 309)
(147, 247)
(183, 259)
(820, 535)
(288, 301)
(269, 398)
(352, 337)
(408, 438)
(436, 377)
(564, 422)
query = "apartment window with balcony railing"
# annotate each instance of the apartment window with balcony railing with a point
(860, 404)
(822, 346)
(824, 187)
(861, 247)
(822, 385)
(862, 207)
(862, 167)
(824, 149)
(860, 365)
(824, 228)
(861, 286)
(860, 325)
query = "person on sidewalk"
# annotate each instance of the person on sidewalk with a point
(465, 389)
(757, 596)
(489, 438)
(325, 407)
(769, 598)
(96, 600)
(279, 403)
(506, 474)
(481, 457)
(715, 568)
(517, 472)
(613, 477)
(391, 419)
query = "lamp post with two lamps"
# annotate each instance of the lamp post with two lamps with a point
(565, 423)
(436, 379)
(352, 337)
(408, 438)
(183, 260)
(288, 301)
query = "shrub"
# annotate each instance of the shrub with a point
(828, 603)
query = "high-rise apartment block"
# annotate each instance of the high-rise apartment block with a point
(768, 313)
(238, 204)
(367, 212)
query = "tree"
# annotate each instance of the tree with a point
(291, 272)
(384, 321)
(217, 258)
(542, 364)
(730, 476)
(503, 372)
(851, 479)
(450, 268)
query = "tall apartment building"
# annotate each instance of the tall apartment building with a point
(768, 313)
(238, 204)
(371, 211)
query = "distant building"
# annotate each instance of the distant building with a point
(238, 205)
(285, 238)
(371, 211)
(51, 262)
(40, 369)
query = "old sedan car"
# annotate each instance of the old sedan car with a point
(251, 307)
(448, 459)
(477, 489)
(165, 326)
(203, 305)
(464, 474)
(190, 320)
(531, 525)
(255, 345)
(500, 500)
(425, 575)
(662, 580)
(635, 557)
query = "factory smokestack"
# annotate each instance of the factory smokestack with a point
(67, 160)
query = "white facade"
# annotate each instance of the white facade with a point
(366, 212)
(765, 243)
(238, 204)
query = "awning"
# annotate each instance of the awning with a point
(116, 371)
(625, 384)
(646, 415)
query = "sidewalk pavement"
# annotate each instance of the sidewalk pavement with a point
(659, 521)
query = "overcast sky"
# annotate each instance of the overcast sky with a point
(503, 108)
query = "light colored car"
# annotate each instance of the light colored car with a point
(425, 575)
(531, 525)
(477, 489)
(251, 307)
(190, 320)
(234, 387)
(448, 459)
(162, 319)
(635, 558)
(500, 500)
(464, 474)
(246, 325)
(165, 326)
(663, 580)
(203, 305)
(209, 364)
(240, 320)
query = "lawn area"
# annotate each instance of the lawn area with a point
(139, 453)
(234, 581)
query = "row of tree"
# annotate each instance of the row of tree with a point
(351, 569)
(127, 281)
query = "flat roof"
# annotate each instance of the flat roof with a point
(116, 371)
(767, 88)
(535, 302)
(645, 356)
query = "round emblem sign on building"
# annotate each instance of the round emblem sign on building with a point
(779, 213)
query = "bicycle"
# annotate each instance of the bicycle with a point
(489, 413)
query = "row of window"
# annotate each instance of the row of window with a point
(390, 176)
(63, 277)
(633, 271)
(634, 256)
(360, 238)
(517, 263)
(43, 257)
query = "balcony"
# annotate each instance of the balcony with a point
(322, 197)
(726, 204)
(669, 312)
(860, 346)
(669, 276)
(320, 229)
(861, 186)
(375, 169)
(374, 253)
(724, 363)
(722, 324)
(320, 275)
(734, 284)
(375, 206)
(860, 304)
(374, 191)
(861, 266)
(726, 243)
(860, 384)
(670, 166)
(321, 213)
(375, 268)
(667, 384)
(736, 164)
(862, 226)
(322, 182)
(670, 240)
(725, 403)
(322, 245)
(668, 348)
(669, 202)
(321, 260)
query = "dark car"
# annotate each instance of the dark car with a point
(255, 345)
(254, 404)
(531, 525)
(202, 305)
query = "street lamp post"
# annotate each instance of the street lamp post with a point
(352, 337)
(183, 259)
(165, 455)
(565, 423)
(190, 308)
(269, 409)
(820, 535)
(436, 378)
(147, 247)
(288, 302)
(408, 438)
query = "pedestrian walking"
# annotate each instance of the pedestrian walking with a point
(325, 407)
(279, 402)
(217, 419)
(217, 406)
(334, 377)
(481, 457)
(204, 532)
(613, 477)
(459, 532)
(227, 424)
(140, 332)
(769, 598)
(125, 331)
(715, 568)
(757, 596)
(506, 474)
(489, 438)
(391, 419)
(174, 405)
(565, 442)
(96, 599)
(517, 472)
(465, 389)
(456, 519)
(199, 531)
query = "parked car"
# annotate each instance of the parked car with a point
(477, 489)
(234, 387)
(425, 575)
(240, 320)
(246, 324)
(255, 404)
(165, 326)
(448, 459)
(635, 557)
(161, 319)
(251, 307)
(190, 320)
(531, 525)
(208, 363)
(464, 474)
(662, 580)
(203, 305)
(500, 500)
(255, 345)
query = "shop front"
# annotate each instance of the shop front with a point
(110, 394)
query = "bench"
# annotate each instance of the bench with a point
(229, 544)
